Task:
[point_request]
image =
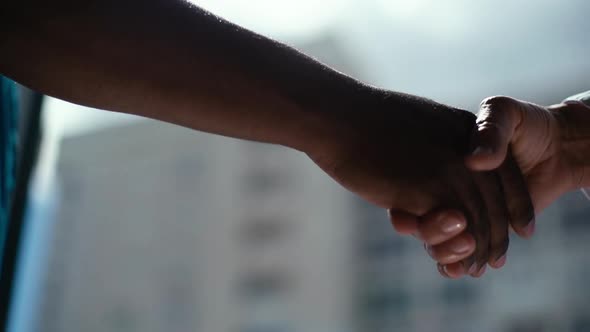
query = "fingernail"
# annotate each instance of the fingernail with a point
(442, 269)
(446, 271)
(500, 261)
(480, 150)
(451, 224)
(480, 272)
(460, 246)
(472, 268)
(529, 229)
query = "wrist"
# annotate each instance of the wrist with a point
(325, 121)
(334, 122)
(574, 135)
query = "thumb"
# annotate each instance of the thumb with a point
(497, 121)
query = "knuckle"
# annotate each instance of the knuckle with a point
(501, 110)
(497, 101)
(489, 125)
(498, 104)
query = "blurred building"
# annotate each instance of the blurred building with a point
(165, 229)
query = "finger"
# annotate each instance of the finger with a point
(442, 253)
(452, 251)
(478, 223)
(454, 270)
(497, 213)
(403, 222)
(450, 271)
(520, 206)
(496, 122)
(439, 226)
(431, 228)
(479, 273)
(499, 263)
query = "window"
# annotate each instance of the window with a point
(262, 284)
(575, 210)
(381, 303)
(263, 296)
(263, 180)
(532, 324)
(385, 247)
(575, 219)
(378, 238)
(458, 293)
(260, 231)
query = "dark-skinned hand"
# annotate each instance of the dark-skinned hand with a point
(406, 154)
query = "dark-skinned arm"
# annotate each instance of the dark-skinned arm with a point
(169, 60)
(172, 61)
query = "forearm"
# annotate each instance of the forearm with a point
(164, 60)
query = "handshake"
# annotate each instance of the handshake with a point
(456, 182)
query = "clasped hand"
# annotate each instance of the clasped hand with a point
(548, 145)
(407, 155)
